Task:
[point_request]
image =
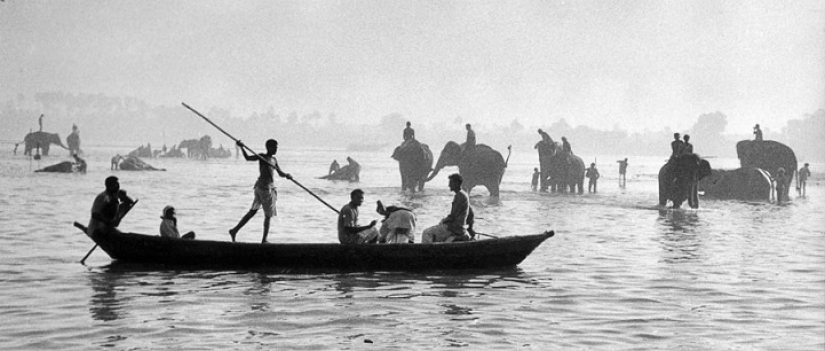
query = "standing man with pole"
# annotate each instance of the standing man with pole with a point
(266, 194)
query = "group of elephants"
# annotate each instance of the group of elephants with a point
(680, 179)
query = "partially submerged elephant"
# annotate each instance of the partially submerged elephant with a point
(415, 161)
(134, 163)
(678, 180)
(479, 165)
(79, 166)
(768, 155)
(350, 172)
(560, 170)
(43, 140)
(750, 184)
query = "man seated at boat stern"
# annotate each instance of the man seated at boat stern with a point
(106, 209)
(458, 223)
(348, 230)
(398, 226)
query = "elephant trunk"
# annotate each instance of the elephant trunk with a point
(438, 167)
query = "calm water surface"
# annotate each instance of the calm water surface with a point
(619, 274)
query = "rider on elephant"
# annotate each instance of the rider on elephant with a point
(676, 146)
(687, 147)
(471, 138)
(409, 133)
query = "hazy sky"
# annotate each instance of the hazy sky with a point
(637, 64)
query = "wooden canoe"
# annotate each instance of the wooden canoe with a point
(152, 249)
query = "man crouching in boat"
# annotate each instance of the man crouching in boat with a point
(398, 226)
(107, 210)
(348, 230)
(451, 228)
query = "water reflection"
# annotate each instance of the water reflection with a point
(110, 281)
(679, 238)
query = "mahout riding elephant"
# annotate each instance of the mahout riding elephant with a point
(73, 140)
(560, 170)
(749, 183)
(43, 140)
(478, 165)
(768, 155)
(415, 161)
(350, 172)
(678, 180)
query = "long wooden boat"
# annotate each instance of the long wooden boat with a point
(487, 253)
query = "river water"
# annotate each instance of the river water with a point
(620, 274)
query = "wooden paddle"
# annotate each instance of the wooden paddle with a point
(257, 155)
(117, 220)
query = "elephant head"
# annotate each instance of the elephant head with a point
(415, 161)
(42, 140)
(678, 180)
(768, 155)
(478, 165)
(73, 140)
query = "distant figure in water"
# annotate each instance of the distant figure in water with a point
(804, 174)
(116, 162)
(687, 147)
(79, 164)
(676, 146)
(757, 132)
(534, 184)
(409, 133)
(592, 175)
(169, 225)
(622, 172)
(334, 167)
(15, 148)
(781, 180)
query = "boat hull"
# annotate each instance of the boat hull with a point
(488, 253)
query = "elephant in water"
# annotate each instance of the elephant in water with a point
(415, 161)
(134, 163)
(478, 165)
(769, 155)
(750, 184)
(560, 170)
(350, 172)
(42, 140)
(678, 180)
(79, 166)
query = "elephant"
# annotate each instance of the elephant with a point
(678, 180)
(142, 151)
(43, 140)
(198, 148)
(768, 155)
(62, 167)
(73, 140)
(748, 183)
(415, 161)
(480, 165)
(351, 172)
(560, 170)
(134, 163)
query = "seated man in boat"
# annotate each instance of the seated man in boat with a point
(169, 225)
(348, 230)
(106, 209)
(458, 223)
(398, 226)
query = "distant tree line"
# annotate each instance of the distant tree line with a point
(128, 121)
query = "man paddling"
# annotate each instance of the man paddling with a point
(106, 209)
(266, 194)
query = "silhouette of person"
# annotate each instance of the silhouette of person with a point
(334, 167)
(40, 121)
(757, 132)
(687, 147)
(409, 133)
(545, 137)
(535, 182)
(781, 180)
(676, 145)
(15, 148)
(622, 172)
(804, 174)
(471, 137)
(592, 175)
(565, 145)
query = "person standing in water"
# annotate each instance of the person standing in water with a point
(266, 194)
(622, 172)
(592, 175)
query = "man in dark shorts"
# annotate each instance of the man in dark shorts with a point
(266, 194)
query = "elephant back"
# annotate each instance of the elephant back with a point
(766, 154)
(743, 183)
